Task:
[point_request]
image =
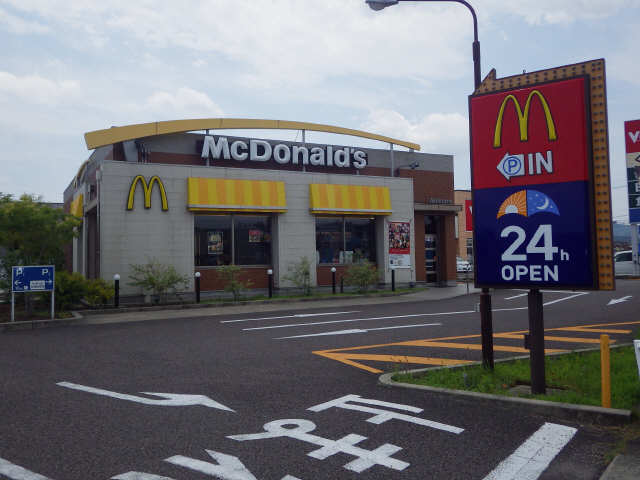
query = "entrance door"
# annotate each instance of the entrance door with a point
(432, 248)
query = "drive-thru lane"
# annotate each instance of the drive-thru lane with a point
(260, 406)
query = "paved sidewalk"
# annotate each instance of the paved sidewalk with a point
(434, 293)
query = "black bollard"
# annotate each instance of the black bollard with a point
(197, 287)
(270, 275)
(393, 279)
(116, 287)
(333, 280)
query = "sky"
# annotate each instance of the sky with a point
(72, 66)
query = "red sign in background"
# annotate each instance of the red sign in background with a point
(632, 135)
(566, 106)
(468, 216)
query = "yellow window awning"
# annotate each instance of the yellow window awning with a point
(218, 194)
(77, 207)
(349, 199)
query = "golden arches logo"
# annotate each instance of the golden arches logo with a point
(523, 118)
(147, 187)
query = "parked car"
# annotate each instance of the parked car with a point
(462, 265)
(623, 263)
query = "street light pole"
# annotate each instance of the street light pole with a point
(486, 323)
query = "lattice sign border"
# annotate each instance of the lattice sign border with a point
(595, 70)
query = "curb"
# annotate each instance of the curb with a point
(195, 306)
(566, 411)
(622, 467)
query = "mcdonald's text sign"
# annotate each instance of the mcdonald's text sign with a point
(533, 203)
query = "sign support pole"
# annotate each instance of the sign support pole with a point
(634, 247)
(53, 302)
(536, 338)
(13, 303)
(486, 327)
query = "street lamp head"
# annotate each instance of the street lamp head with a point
(380, 4)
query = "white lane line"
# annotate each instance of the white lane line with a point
(406, 316)
(299, 315)
(517, 296)
(535, 454)
(358, 330)
(357, 320)
(16, 472)
(565, 298)
(551, 302)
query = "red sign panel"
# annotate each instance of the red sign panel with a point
(632, 135)
(468, 215)
(533, 135)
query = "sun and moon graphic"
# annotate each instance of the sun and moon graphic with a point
(527, 203)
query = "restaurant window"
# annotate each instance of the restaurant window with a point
(345, 240)
(232, 240)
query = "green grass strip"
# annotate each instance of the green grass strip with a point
(576, 375)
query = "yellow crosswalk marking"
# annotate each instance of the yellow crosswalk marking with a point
(591, 330)
(401, 359)
(476, 346)
(348, 357)
(552, 339)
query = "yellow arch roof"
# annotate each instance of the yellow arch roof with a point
(100, 138)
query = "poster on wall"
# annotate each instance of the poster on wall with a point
(256, 236)
(400, 245)
(214, 243)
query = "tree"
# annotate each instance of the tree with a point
(157, 278)
(32, 233)
(300, 275)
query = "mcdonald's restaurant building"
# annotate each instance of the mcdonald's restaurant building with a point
(187, 195)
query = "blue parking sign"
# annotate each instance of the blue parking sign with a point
(33, 278)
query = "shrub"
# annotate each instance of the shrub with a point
(361, 275)
(300, 275)
(232, 283)
(98, 292)
(157, 279)
(70, 288)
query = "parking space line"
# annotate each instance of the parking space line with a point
(534, 456)
(16, 472)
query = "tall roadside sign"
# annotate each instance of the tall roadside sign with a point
(540, 178)
(541, 189)
(632, 148)
(632, 144)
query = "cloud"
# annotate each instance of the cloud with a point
(435, 132)
(275, 43)
(185, 102)
(36, 89)
(540, 12)
(19, 26)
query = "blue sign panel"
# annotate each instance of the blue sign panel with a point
(38, 278)
(534, 236)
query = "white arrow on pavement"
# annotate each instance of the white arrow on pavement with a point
(358, 330)
(613, 301)
(168, 399)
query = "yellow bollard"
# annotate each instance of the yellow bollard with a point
(605, 371)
